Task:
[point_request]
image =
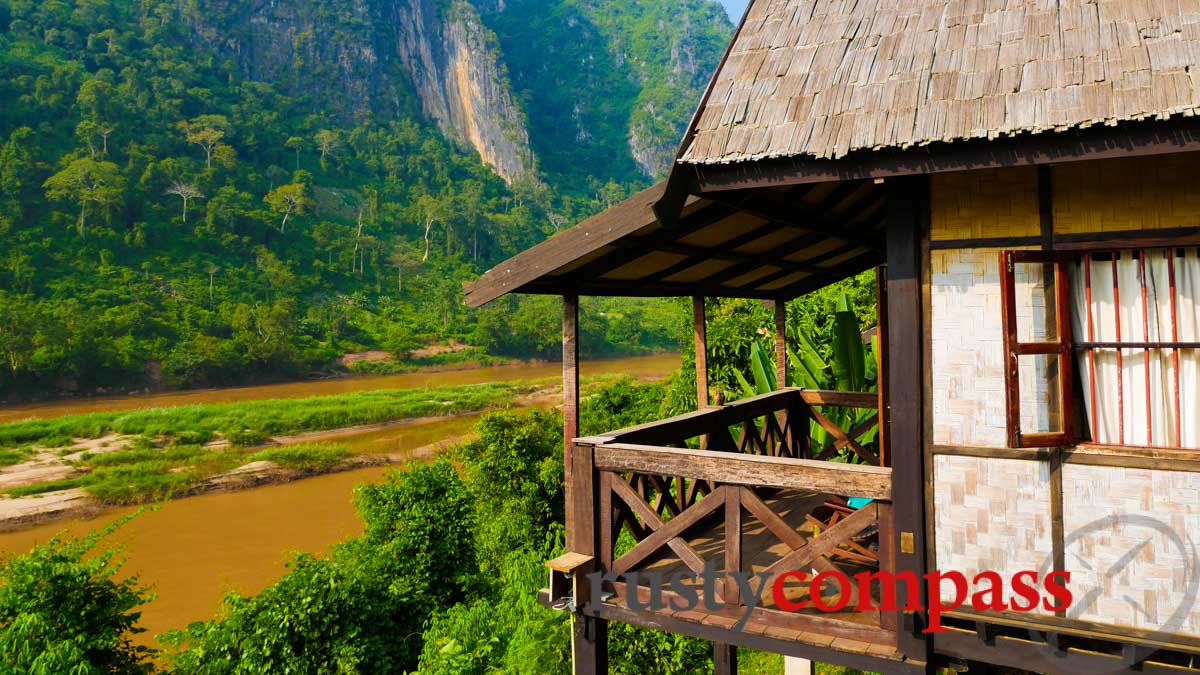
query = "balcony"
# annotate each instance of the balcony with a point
(739, 488)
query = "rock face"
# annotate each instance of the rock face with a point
(367, 58)
(456, 69)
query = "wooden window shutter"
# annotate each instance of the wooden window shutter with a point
(1050, 352)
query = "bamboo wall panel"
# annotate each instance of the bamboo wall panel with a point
(968, 349)
(984, 203)
(1145, 193)
(991, 514)
(1104, 512)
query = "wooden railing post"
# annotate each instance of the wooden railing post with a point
(570, 345)
(589, 636)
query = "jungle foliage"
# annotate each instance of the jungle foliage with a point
(169, 222)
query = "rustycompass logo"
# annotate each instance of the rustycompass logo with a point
(1148, 578)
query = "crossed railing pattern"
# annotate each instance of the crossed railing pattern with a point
(652, 482)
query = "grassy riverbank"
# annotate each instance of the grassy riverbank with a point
(137, 456)
(250, 423)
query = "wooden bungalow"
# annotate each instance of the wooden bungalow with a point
(1024, 175)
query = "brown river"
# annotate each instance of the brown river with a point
(195, 550)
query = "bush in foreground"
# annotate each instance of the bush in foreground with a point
(62, 610)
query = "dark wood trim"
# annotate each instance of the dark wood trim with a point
(725, 659)
(1136, 345)
(1043, 623)
(848, 399)
(854, 480)
(1057, 536)
(622, 254)
(570, 392)
(906, 222)
(838, 272)
(793, 212)
(700, 341)
(1031, 454)
(1128, 239)
(1045, 188)
(1182, 462)
(1025, 654)
(1128, 139)
(1107, 241)
(779, 308)
(986, 242)
(762, 642)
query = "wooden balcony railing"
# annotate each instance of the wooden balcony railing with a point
(742, 487)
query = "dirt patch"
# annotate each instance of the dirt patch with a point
(452, 347)
(23, 512)
(373, 356)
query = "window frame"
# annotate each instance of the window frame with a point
(1062, 346)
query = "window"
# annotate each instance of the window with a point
(1136, 311)
(1128, 321)
(1037, 346)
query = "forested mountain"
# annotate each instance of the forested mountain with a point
(206, 191)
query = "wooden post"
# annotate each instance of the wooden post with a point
(907, 211)
(589, 635)
(570, 343)
(724, 659)
(700, 333)
(881, 362)
(781, 357)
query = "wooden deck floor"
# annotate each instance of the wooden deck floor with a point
(850, 632)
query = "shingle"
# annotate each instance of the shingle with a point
(824, 78)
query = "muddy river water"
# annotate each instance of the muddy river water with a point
(197, 549)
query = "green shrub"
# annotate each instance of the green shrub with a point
(64, 609)
(305, 457)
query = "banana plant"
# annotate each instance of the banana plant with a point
(851, 367)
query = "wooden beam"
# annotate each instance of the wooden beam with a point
(794, 212)
(855, 480)
(623, 255)
(1129, 139)
(570, 392)
(847, 399)
(724, 659)
(906, 212)
(781, 357)
(700, 335)
(838, 272)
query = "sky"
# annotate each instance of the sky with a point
(735, 8)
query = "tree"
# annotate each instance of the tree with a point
(288, 200)
(327, 142)
(432, 210)
(296, 144)
(87, 182)
(403, 261)
(206, 131)
(186, 192)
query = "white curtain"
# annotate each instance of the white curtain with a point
(1121, 414)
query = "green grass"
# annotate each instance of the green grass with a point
(251, 422)
(305, 457)
(148, 473)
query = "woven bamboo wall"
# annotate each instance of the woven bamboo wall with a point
(991, 514)
(1159, 581)
(1143, 193)
(968, 349)
(984, 203)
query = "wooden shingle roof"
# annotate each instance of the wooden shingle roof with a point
(823, 78)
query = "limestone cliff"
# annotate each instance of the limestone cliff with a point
(367, 58)
(459, 77)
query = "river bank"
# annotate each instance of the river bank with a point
(655, 365)
(237, 535)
